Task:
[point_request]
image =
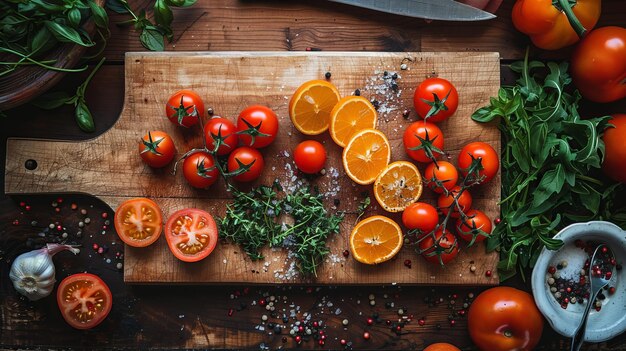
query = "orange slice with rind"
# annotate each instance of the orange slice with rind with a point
(349, 116)
(398, 186)
(366, 155)
(375, 240)
(311, 105)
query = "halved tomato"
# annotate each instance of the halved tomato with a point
(138, 222)
(191, 234)
(84, 300)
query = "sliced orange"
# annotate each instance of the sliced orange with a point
(375, 239)
(366, 155)
(398, 186)
(311, 104)
(349, 116)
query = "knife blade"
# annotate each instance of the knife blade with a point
(444, 10)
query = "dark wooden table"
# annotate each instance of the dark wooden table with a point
(230, 316)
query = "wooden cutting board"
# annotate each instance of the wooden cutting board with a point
(109, 167)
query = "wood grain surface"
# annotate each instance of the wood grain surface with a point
(109, 168)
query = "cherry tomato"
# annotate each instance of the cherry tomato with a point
(219, 127)
(475, 226)
(84, 300)
(488, 156)
(441, 346)
(246, 157)
(157, 149)
(439, 248)
(444, 202)
(421, 139)
(614, 164)
(420, 215)
(599, 64)
(200, 170)
(441, 175)
(310, 156)
(185, 108)
(191, 234)
(435, 99)
(138, 222)
(257, 126)
(505, 319)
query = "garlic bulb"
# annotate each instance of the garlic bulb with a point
(32, 273)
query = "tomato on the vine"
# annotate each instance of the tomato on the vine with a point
(422, 216)
(445, 202)
(441, 175)
(614, 164)
(440, 247)
(488, 159)
(246, 160)
(200, 169)
(138, 222)
(257, 126)
(423, 141)
(475, 228)
(310, 156)
(435, 99)
(222, 131)
(157, 149)
(191, 234)
(184, 108)
(84, 300)
(505, 319)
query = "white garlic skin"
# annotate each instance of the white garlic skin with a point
(33, 273)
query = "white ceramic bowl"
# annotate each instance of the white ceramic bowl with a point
(610, 321)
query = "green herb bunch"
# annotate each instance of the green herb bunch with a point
(31, 28)
(254, 220)
(549, 158)
(152, 33)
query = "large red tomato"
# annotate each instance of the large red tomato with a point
(258, 126)
(599, 64)
(200, 169)
(435, 99)
(439, 248)
(310, 156)
(441, 175)
(247, 162)
(423, 141)
(614, 164)
(488, 159)
(505, 319)
(84, 300)
(138, 222)
(191, 234)
(184, 108)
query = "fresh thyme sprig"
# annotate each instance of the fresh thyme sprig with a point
(254, 220)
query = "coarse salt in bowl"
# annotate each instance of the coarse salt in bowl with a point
(602, 325)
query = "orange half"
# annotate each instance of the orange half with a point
(398, 186)
(349, 116)
(366, 155)
(310, 106)
(375, 240)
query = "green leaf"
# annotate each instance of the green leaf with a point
(99, 14)
(152, 39)
(484, 115)
(74, 17)
(42, 41)
(66, 34)
(163, 14)
(84, 118)
(117, 6)
(50, 101)
(551, 182)
(520, 153)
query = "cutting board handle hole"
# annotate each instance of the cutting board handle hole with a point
(30, 164)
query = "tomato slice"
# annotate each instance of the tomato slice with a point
(138, 222)
(84, 300)
(191, 234)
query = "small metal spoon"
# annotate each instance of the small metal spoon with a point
(597, 282)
